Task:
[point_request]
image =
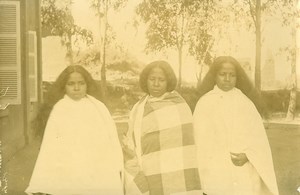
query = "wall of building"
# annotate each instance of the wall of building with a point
(15, 121)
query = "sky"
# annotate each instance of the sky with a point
(240, 44)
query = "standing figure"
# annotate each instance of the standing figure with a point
(80, 152)
(160, 152)
(233, 149)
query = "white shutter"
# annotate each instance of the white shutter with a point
(10, 56)
(32, 63)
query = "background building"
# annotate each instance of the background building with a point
(20, 72)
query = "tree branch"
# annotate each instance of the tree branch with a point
(252, 12)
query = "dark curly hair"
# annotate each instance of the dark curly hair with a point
(57, 92)
(165, 66)
(242, 82)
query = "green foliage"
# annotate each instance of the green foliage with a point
(191, 24)
(246, 9)
(98, 5)
(169, 22)
(200, 38)
(190, 95)
(121, 98)
(58, 21)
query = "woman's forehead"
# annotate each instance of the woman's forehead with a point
(227, 66)
(157, 71)
(76, 76)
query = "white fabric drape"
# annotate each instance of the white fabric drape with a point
(80, 152)
(227, 122)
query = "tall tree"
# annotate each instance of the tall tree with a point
(102, 8)
(257, 21)
(290, 12)
(289, 16)
(208, 26)
(58, 21)
(255, 9)
(293, 84)
(169, 23)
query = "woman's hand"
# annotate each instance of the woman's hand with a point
(238, 159)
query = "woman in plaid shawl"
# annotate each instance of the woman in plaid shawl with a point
(160, 153)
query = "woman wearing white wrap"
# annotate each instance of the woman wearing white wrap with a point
(80, 152)
(234, 155)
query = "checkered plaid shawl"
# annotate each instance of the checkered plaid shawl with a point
(167, 163)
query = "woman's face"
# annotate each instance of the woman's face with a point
(157, 82)
(226, 77)
(76, 86)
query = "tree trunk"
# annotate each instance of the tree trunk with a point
(180, 67)
(295, 59)
(69, 54)
(199, 75)
(180, 41)
(102, 14)
(103, 81)
(258, 46)
(103, 67)
(293, 93)
(293, 98)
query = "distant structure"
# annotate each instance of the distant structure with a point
(246, 64)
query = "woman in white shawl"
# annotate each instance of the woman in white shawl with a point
(234, 155)
(80, 152)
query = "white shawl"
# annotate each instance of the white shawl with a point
(80, 152)
(227, 122)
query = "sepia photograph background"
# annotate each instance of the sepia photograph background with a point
(115, 39)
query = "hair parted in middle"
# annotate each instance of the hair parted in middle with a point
(57, 92)
(166, 68)
(209, 81)
(242, 81)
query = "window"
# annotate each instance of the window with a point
(10, 56)
(32, 63)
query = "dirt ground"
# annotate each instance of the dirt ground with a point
(284, 141)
